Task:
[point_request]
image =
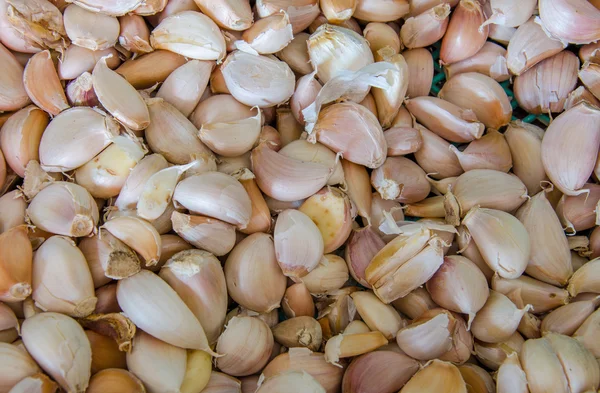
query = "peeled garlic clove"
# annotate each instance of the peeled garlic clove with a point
(377, 315)
(498, 320)
(15, 264)
(525, 143)
(435, 157)
(545, 87)
(333, 49)
(115, 380)
(400, 179)
(297, 301)
(490, 61)
(363, 244)
(198, 278)
(481, 94)
(42, 84)
(360, 127)
(303, 331)
(489, 152)
(343, 346)
(542, 297)
(160, 366)
(13, 95)
(427, 337)
(538, 355)
(466, 33)
(331, 274)
(246, 345)
(568, 318)
(582, 17)
(426, 28)
(436, 377)
(59, 345)
(369, 370)
(184, 86)
(558, 137)
(137, 234)
(134, 35)
(232, 139)
(90, 29)
(381, 10)
(447, 120)
(590, 76)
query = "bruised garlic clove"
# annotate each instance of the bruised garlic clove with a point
(343, 346)
(90, 29)
(377, 315)
(370, 370)
(498, 319)
(297, 301)
(46, 336)
(16, 256)
(426, 28)
(198, 278)
(585, 119)
(525, 143)
(502, 240)
(581, 17)
(330, 275)
(13, 95)
(435, 157)
(207, 233)
(42, 84)
(400, 179)
(436, 377)
(115, 380)
(489, 152)
(138, 234)
(490, 61)
(542, 297)
(428, 336)
(303, 331)
(466, 33)
(160, 366)
(460, 286)
(363, 244)
(246, 345)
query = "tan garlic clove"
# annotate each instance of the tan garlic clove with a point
(16, 258)
(578, 95)
(426, 28)
(184, 96)
(466, 33)
(491, 151)
(134, 34)
(480, 93)
(490, 60)
(493, 355)
(584, 118)
(380, 35)
(176, 325)
(105, 352)
(37, 383)
(297, 301)
(170, 245)
(13, 95)
(400, 179)
(356, 326)
(9, 324)
(358, 187)
(234, 138)
(381, 10)
(269, 34)
(207, 233)
(198, 279)
(289, 128)
(45, 336)
(477, 378)
(545, 87)
(303, 331)
(316, 153)
(295, 54)
(160, 366)
(231, 15)
(107, 300)
(429, 336)
(116, 325)
(568, 318)
(115, 94)
(584, 279)
(203, 39)
(415, 303)
(17, 365)
(115, 380)
(587, 332)
(333, 49)
(459, 285)
(578, 213)
(77, 216)
(42, 84)
(432, 207)
(151, 68)
(542, 297)
(525, 141)
(484, 188)
(437, 376)
(343, 346)
(368, 370)
(377, 315)
(337, 11)
(359, 124)
(435, 157)
(590, 76)
(197, 371)
(389, 99)
(12, 210)
(363, 244)
(502, 240)
(538, 355)
(582, 16)
(90, 29)
(246, 345)
(260, 220)
(498, 320)
(138, 234)
(330, 275)
(402, 141)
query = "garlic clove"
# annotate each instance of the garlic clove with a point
(197, 371)
(90, 29)
(260, 221)
(116, 325)
(46, 337)
(476, 378)
(115, 380)
(590, 76)
(417, 7)
(491, 151)
(481, 94)
(38, 24)
(587, 332)
(184, 96)
(269, 34)
(297, 301)
(363, 244)
(502, 240)
(511, 378)
(160, 366)
(584, 279)
(141, 294)
(493, 355)
(232, 139)
(42, 84)
(302, 13)
(287, 126)
(246, 345)
(13, 95)
(303, 331)
(107, 300)
(582, 17)
(105, 352)
(315, 152)
(466, 33)
(432, 207)
(231, 15)
(138, 234)
(115, 94)
(292, 382)
(16, 256)
(402, 141)
(578, 95)
(415, 303)
(490, 61)
(538, 355)
(272, 83)
(579, 365)
(78, 60)
(9, 324)
(170, 245)
(498, 319)
(578, 213)
(435, 157)
(400, 179)
(377, 315)
(545, 87)
(356, 326)
(17, 365)
(337, 11)
(80, 92)
(134, 34)
(437, 376)
(369, 370)
(427, 337)
(306, 92)
(198, 278)
(542, 297)
(389, 100)
(447, 120)
(207, 233)
(426, 28)
(295, 54)
(331, 274)
(525, 143)
(380, 35)
(37, 383)
(462, 343)
(151, 68)
(568, 318)
(381, 10)
(468, 248)
(343, 346)
(220, 382)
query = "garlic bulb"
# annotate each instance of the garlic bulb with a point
(59, 345)
(466, 33)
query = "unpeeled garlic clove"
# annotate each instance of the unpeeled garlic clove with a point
(437, 376)
(426, 28)
(579, 365)
(261, 220)
(90, 29)
(466, 33)
(435, 157)
(295, 54)
(138, 234)
(330, 275)
(582, 17)
(21, 135)
(415, 303)
(16, 258)
(222, 383)
(428, 336)
(80, 92)
(363, 244)
(578, 95)
(432, 207)
(402, 141)
(498, 320)
(18, 364)
(160, 366)
(37, 383)
(480, 93)
(568, 318)
(368, 370)
(231, 15)
(150, 7)
(538, 355)
(380, 35)
(525, 143)
(336, 311)
(400, 179)
(379, 214)
(590, 76)
(477, 378)
(107, 300)
(462, 343)
(185, 96)
(343, 346)
(490, 60)
(358, 187)
(233, 138)
(115, 380)
(307, 89)
(42, 84)
(389, 99)
(587, 332)
(317, 153)
(105, 352)
(291, 381)
(203, 232)
(381, 10)
(13, 95)
(491, 151)
(511, 378)
(198, 278)
(420, 70)
(502, 240)
(270, 34)
(9, 324)
(578, 213)
(584, 279)
(303, 331)
(493, 355)
(170, 245)
(541, 296)
(134, 35)
(545, 87)
(297, 301)
(45, 336)
(377, 315)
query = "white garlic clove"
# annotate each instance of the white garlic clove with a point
(429, 336)
(511, 378)
(426, 28)
(229, 14)
(436, 377)
(292, 382)
(206, 233)
(330, 275)
(585, 279)
(491, 151)
(377, 315)
(90, 29)
(575, 22)
(234, 138)
(138, 234)
(13, 95)
(135, 182)
(525, 143)
(270, 34)
(184, 87)
(498, 319)
(381, 10)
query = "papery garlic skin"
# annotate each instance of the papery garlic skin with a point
(573, 21)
